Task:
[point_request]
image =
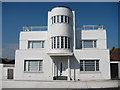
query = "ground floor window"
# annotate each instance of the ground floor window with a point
(89, 65)
(33, 65)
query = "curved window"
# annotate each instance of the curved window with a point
(60, 42)
(60, 19)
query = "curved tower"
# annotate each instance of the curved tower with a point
(60, 24)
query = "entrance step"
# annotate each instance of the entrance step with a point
(60, 78)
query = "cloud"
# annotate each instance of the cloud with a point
(8, 50)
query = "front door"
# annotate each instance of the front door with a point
(62, 68)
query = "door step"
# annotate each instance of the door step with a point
(60, 78)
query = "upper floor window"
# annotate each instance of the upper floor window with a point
(89, 44)
(60, 19)
(89, 65)
(60, 42)
(33, 65)
(35, 44)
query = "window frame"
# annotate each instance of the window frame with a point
(94, 43)
(60, 19)
(40, 67)
(96, 67)
(30, 44)
(60, 42)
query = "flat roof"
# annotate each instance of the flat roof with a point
(62, 7)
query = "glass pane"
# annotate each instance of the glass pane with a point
(94, 43)
(90, 65)
(57, 18)
(54, 42)
(88, 44)
(66, 42)
(54, 19)
(33, 66)
(81, 65)
(61, 42)
(61, 18)
(40, 65)
(36, 44)
(43, 43)
(65, 19)
(58, 42)
(97, 65)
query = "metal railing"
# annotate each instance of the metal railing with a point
(81, 27)
(35, 28)
(89, 27)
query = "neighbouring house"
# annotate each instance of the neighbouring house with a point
(115, 63)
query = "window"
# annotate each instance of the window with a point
(60, 42)
(33, 65)
(57, 18)
(60, 19)
(89, 44)
(35, 44)
(89, 65)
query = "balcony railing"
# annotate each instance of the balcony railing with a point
(35, 28)
(82, 27)
(89, 27)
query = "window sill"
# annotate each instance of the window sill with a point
(33, 71)
(90, 72)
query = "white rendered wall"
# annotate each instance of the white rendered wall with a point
(31, 35)
(22, 55)
(104, 64)
(99, 35)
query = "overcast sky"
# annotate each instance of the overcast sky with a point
(15, 15)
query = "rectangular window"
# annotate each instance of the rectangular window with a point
(89, 65)
(33, 65)
(35, 44)
(89, 44)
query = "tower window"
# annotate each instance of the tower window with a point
(60, 19)
(60, 42)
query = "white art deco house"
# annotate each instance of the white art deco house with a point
(62, 52)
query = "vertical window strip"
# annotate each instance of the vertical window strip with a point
(54, 42)
(57, 42)
(68, 42)
(61, 18)
(57, 18)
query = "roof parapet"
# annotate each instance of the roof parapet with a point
(89, 27)
(35, 28)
